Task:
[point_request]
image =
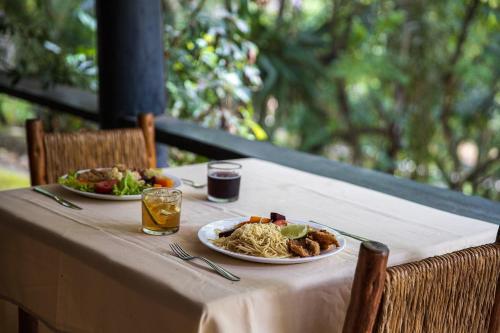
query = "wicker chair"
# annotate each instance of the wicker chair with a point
(52, 155)
(455, 292)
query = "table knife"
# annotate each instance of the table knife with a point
(57, 198)
(362, 239)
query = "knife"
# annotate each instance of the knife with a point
(58, 199)
(362, 239)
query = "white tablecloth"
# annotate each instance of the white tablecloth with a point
(94, 271)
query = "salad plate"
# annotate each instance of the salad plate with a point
(210, 232)
(126, 185)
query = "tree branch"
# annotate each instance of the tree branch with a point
(281, 11)
(450, 81)
(443, 171)
(345, 112)
(361, 131)
(338, 44)
(480, 169)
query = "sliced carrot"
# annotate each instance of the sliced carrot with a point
(256, 219)
(170, 182)
(164, 181)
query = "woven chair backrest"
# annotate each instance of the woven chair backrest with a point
(67, 152)
(449, 293)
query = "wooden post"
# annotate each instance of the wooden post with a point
(36, 151)
(130, 59)
(367, 288)
(495, 312)
(146, 122)
(26, 322)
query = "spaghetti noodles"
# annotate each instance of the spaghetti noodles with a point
(256, 239)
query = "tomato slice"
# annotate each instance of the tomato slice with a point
(105, 186)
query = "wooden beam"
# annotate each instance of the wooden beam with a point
(36, 151)
(367, 288)
(26, 322)
(62, 98)
(146, 122)
(494, 326)
(130, 58)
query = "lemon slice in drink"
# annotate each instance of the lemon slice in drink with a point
(294, 231)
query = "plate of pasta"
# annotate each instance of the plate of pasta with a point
(273, 240)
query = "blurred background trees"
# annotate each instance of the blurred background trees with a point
(406, 87)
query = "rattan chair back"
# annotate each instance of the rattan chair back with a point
(55, 154)
(456, 292)
(450, 293)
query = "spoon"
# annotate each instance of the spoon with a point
(192, 183)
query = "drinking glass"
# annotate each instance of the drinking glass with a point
(223, 181)
(161, 211)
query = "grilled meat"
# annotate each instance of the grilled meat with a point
(324, 238)
(304, 247)
(313, 247)
(296, 248)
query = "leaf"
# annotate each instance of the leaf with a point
(258, 131)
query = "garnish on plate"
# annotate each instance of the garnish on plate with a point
(118, 180)
(275, 237)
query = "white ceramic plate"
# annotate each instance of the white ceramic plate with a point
(177, 183)
(207, 233)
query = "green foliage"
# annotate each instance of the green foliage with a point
(53, 40)
(177, 157)
(10, 179)
(407, 87)
(14, 112)
(410, 88)
(210, 71)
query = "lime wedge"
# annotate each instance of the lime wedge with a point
(294, 231)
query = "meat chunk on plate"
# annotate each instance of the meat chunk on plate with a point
(313, 247)
(297, 248)
(328, 248)
(304, 247)
(324, 238)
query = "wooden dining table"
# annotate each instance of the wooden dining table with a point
(93, 270)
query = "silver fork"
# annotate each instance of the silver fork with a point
(179, 252)
(192, 183)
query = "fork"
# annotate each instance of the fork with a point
(179, 252)
(192, 183)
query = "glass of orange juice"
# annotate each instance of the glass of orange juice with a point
(161, 211)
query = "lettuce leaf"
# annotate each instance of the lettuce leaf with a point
(128, 185)
(72, 181)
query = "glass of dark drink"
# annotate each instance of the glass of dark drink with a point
(223, 181)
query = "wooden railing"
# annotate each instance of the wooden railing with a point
(217, 144)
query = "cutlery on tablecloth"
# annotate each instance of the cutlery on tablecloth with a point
(362, 239)
(192, 183)
(179, 252)
(57, 198)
